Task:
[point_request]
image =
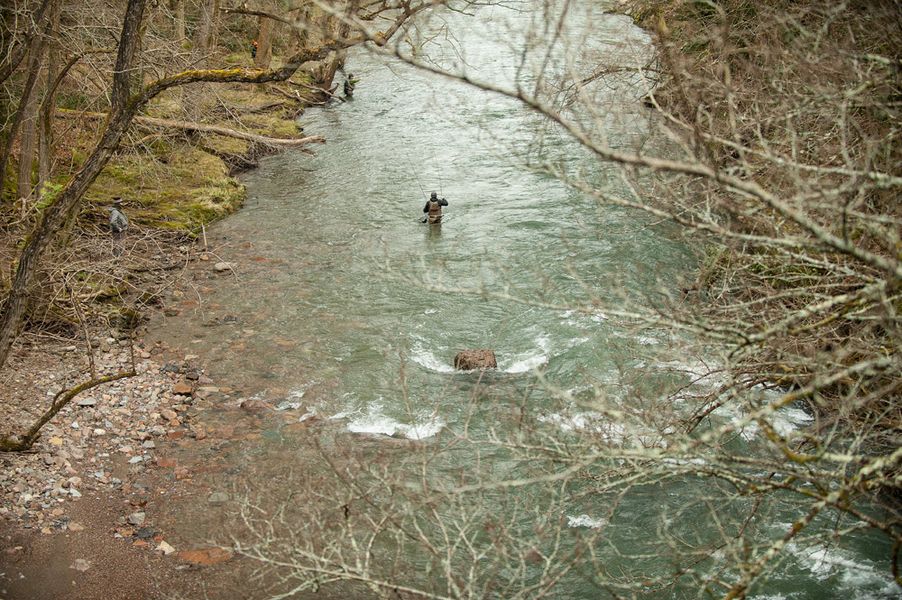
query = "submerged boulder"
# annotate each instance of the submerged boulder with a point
(467, 360)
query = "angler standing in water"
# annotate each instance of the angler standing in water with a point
(433, 209)
(349, 85)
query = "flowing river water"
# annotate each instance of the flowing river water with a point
(344, 309)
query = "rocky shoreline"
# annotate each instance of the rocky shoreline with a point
(105, 438)
(90, 485)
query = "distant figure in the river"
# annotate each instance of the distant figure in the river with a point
(433, 209)
(350, 82)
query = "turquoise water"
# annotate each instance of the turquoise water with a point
(347, 311)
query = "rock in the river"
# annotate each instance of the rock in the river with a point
(467, 360)
(136, 518)
(223, 266)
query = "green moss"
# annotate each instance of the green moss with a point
(187, 190)
(273, 126)
(237, 58)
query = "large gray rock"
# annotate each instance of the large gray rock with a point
(467, 360)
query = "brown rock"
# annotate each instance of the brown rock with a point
(182, 388)
(467, 360)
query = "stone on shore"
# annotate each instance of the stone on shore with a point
(467, 360)
(182, 388)
(165, 548)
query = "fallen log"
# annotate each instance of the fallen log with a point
(203, 128)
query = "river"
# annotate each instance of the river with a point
(345, 311)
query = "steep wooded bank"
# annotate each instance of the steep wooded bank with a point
(795, 108)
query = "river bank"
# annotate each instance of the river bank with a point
(85, 505)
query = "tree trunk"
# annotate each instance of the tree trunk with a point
(34, 68)
(207, 30)
(214, 24)
(45, 117)
(27, 145)
(47, 114)
(178, 9)
(68, 202)
(264, 43)
(300, 32)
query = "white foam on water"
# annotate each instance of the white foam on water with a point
(288, 405)
(531, 360)
(586, 521)
(527, 364)
(428, 360)
(598, 424)
(375, 422)
(787, 420)
(784, 420)
(572, 317)
(293, 401)
(853, 576)
(587, 421)
(311, 412)
(647, 340)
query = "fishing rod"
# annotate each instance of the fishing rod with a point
(422, 191)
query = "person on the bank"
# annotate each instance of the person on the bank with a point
(254, 46)
(433, 209)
